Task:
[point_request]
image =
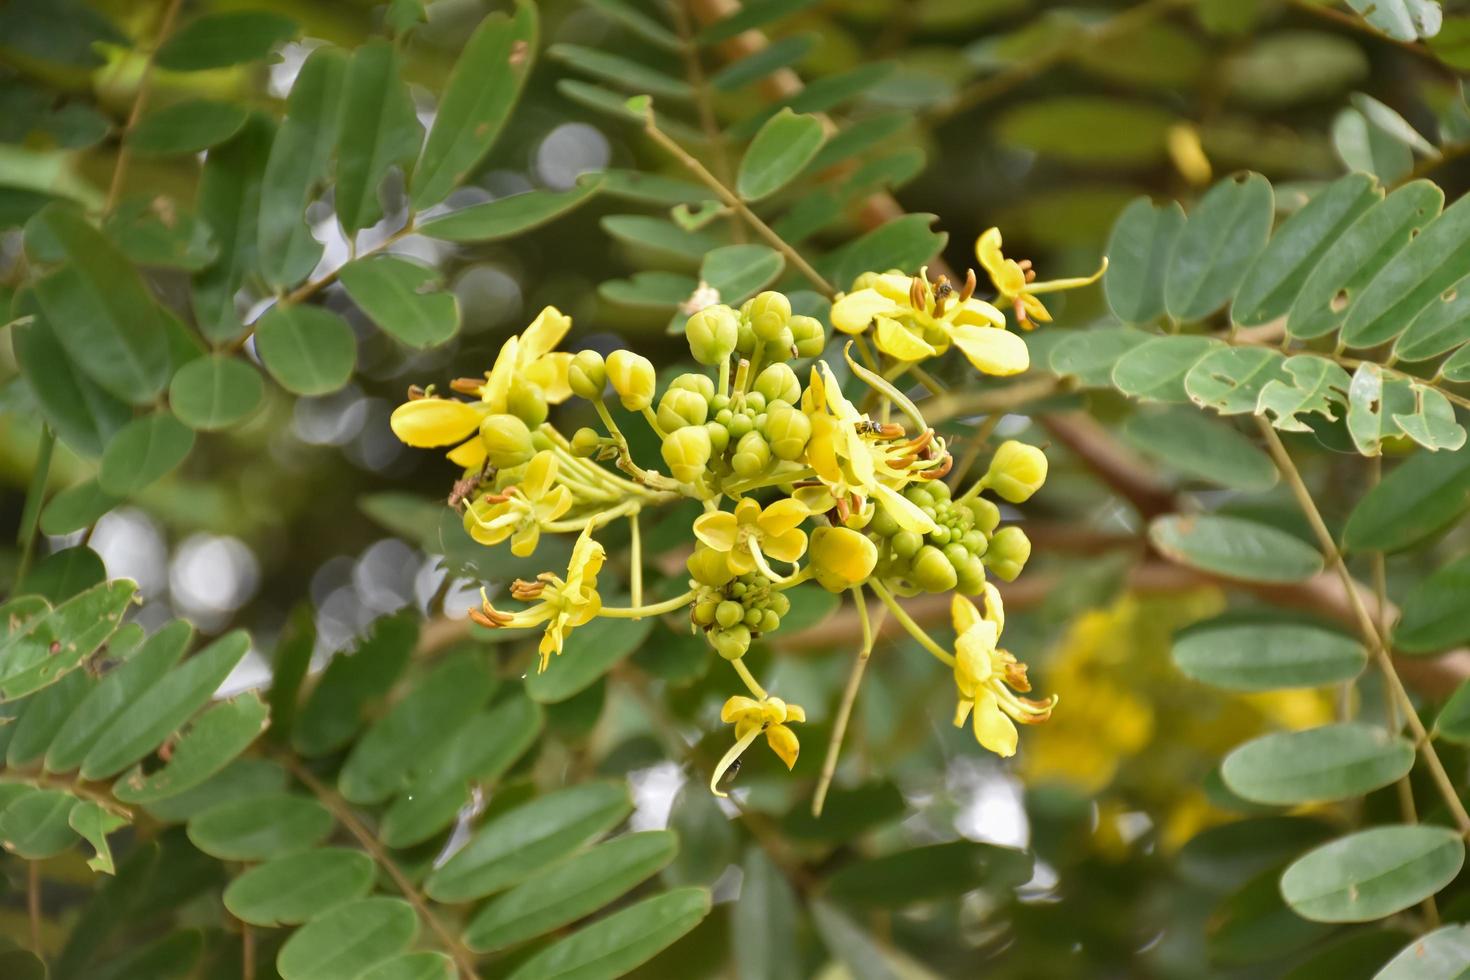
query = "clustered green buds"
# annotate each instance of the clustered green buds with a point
(712, 333)
(736, 611)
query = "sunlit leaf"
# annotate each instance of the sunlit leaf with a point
(308, 349)
(780, 151)
(1222, 236)
(1373, 873)
(399, 295)
(614, 945)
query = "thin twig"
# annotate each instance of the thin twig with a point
(1366, 624)
(33, 906)
(694, 72)
(849, 698)
(145, 85)
(343, 812)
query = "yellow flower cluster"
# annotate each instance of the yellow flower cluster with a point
(808, 470)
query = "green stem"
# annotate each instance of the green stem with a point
(654, 609)
(849, 698)
(30, 517)
(751, 683)
(914, 629)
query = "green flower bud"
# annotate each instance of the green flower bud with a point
(632, 377)
(755, 403)
(728, 613)
(807, 336)
(780, 604)
(1007, 554)
(778, 351)
(712, 333)
(987, 515)
(906, 544)
(526, 402)
(751, 455)
(687, 452)
(587, 375)
(745, 340)
(770, 621)
(779, 383)
(970, 575)
(709, 567)
(703, 613)
(680, 407)
(883, 524)
(719, 437)
(698, 383)
(1016, 471)
(975, 541)
(739, 425)
(585, 442)
(731, 643)
(768, 314)
(507, 441)
(788, 430)
(940, 535)
(932, 571)
(753, 618)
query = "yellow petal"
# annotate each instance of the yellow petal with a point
(468, 455)
(784, 743)
(992, 351)
(795, 712)
(544, 333)
(550, 374)
(995, 610)
(821, 450)
(1009, 278)
(782, 516)
(540, 475)
(818, 500)
(988, 253)
(962, 613)
(428, 422)
(896, 340)
(716, 529)
(496, 391)
(894, 285)
(855, 311)
(1056, 285)
(903, 510)
(729, 758)
(554, 504)
(992, 728)
(843, 553)
(741, 561)
(737, 706)
(523, 542)
(974, 663)
(787, 546)
(977, 313)
(1036, 311)
(747, 511)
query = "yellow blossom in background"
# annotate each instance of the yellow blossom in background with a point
(751, 532)
(1016, 281)
(751, 718)
(519, 511)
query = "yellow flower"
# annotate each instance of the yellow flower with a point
(851, 456)
(428, 422)
(564, 603)
(1015, 281)
(750, 717)
(985, 676)
(914, 319)
(520, 511)
(750, 535)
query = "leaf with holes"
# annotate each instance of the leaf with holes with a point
(1317, 386)
(1431, 422)
(50, 645)
(1374, 399)
(1230, 380)
(1373, 873)
(1442, 326)
(94, 823)
(1089, 355)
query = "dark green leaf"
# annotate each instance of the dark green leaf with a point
(1235, 548)
(740, 271)
(401, 297)
(1138, 253)
(1420, 497)
(59, 31)
(230, 190)
(156, 232)
(215, 392)
(1221, 238)
(218, 40)
(1435, 614)
(34, 825)
(260, 827)
(750, 16)
(905, 243)
(763, 929)
(851, 946)
(780, 151)
(336, 707)
(1317, 765)
(345, 941)
(244, 778)
(186, 127)
(379, 130)
(781, 53)
(653, 290)
(1432, 263)
(43, 717)
(309, 350)
(478, 99)
(631, 75)
(1442, 326)
(707, 840)
(820, 95)
(144, 450)
(1096, 130)
(509, 216)
(930, 873)
(211, 742)
(1197, 446)
(1373, 873)
(1255, 926)
(62, 574)
(1265, 655)
(612, 946)
(94, 823)
(639, 23)
(423, 965)
(290, 890)
(1226, 856)
(83, 415)
(664, 239)
(590, 652)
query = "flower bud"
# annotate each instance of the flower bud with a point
(752, 453)
(787, 430)
(719, 438)
(712, 333)
(986, 514)
(932, 571)
(507, 441)
(1016, 471)
(731, 643)
(729, 612)
(709, 567)
(680, 407)
(970, 575)
(587, 375)
(687, 452)
(768, 314)
(1008, 551)
(526, 402)
(700, 384)
(906, 544)
(807, 336)
(585, 442)
(779, 383)
(632, 377)
(841, 557)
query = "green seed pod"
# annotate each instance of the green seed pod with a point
(770, 621)
(788, 430)
(712, 333)
(1016, 471)
(709, 567)
(778, 382)
(680, 407)
(752, 455)
(633, 378)
(807, 336)
(1009, 549)
(932, 571)
(526, 402)
(587, 375)
(906, 544)
(507, 441)
(719, 437)
(698, 383)
(728, 613)
(687, 452)
(731, 643)
(768, 314)
(987, 514)
(585, 442)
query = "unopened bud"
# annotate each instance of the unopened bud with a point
(807, 336)
(841, 557)
(731, 643)
(712, 334)
(768, 314)
(752, 453)
(709, 567)
(986, 514)
(687, 452)
(585, 442)
(932, 570)
(779, 383)
(507, 441)
(788, 431)
(700, 384)
(526, 402)
(632, 377)
(1008, 551)
(587, 375)
(680, 407)
(1016, 471)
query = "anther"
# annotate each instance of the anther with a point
(467, 386)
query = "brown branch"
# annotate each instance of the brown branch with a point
(140, 101)
(1115, 465)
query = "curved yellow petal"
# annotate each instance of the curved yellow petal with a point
(977, 313)
(1056, 285)
(427, 422)
(992, 728)
(903, 510)
(736, 706)
(544, 333)
(988, 253)
(894, 285)
(784, 743)
(523, 541)
(962, 613)
(897, 340)
(821, 450)
(786, 546)
(716, 529)
(993, 351)
(540, 475)
(795, 712)
(747, 511)
(818, 500)
(995, 610)
(550, 374)
(782, 516)
(496, 390)
(469, 455)
(555, 504)
(1036, 311)
(740, 561)
(855, 311)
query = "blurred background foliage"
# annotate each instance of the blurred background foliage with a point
(1110, 847)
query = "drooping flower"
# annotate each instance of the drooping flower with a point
(774, 532)
(986, 676)
(914, 319)
(750, 717)
(518, 512)
(562, 604)
(1016, 281)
